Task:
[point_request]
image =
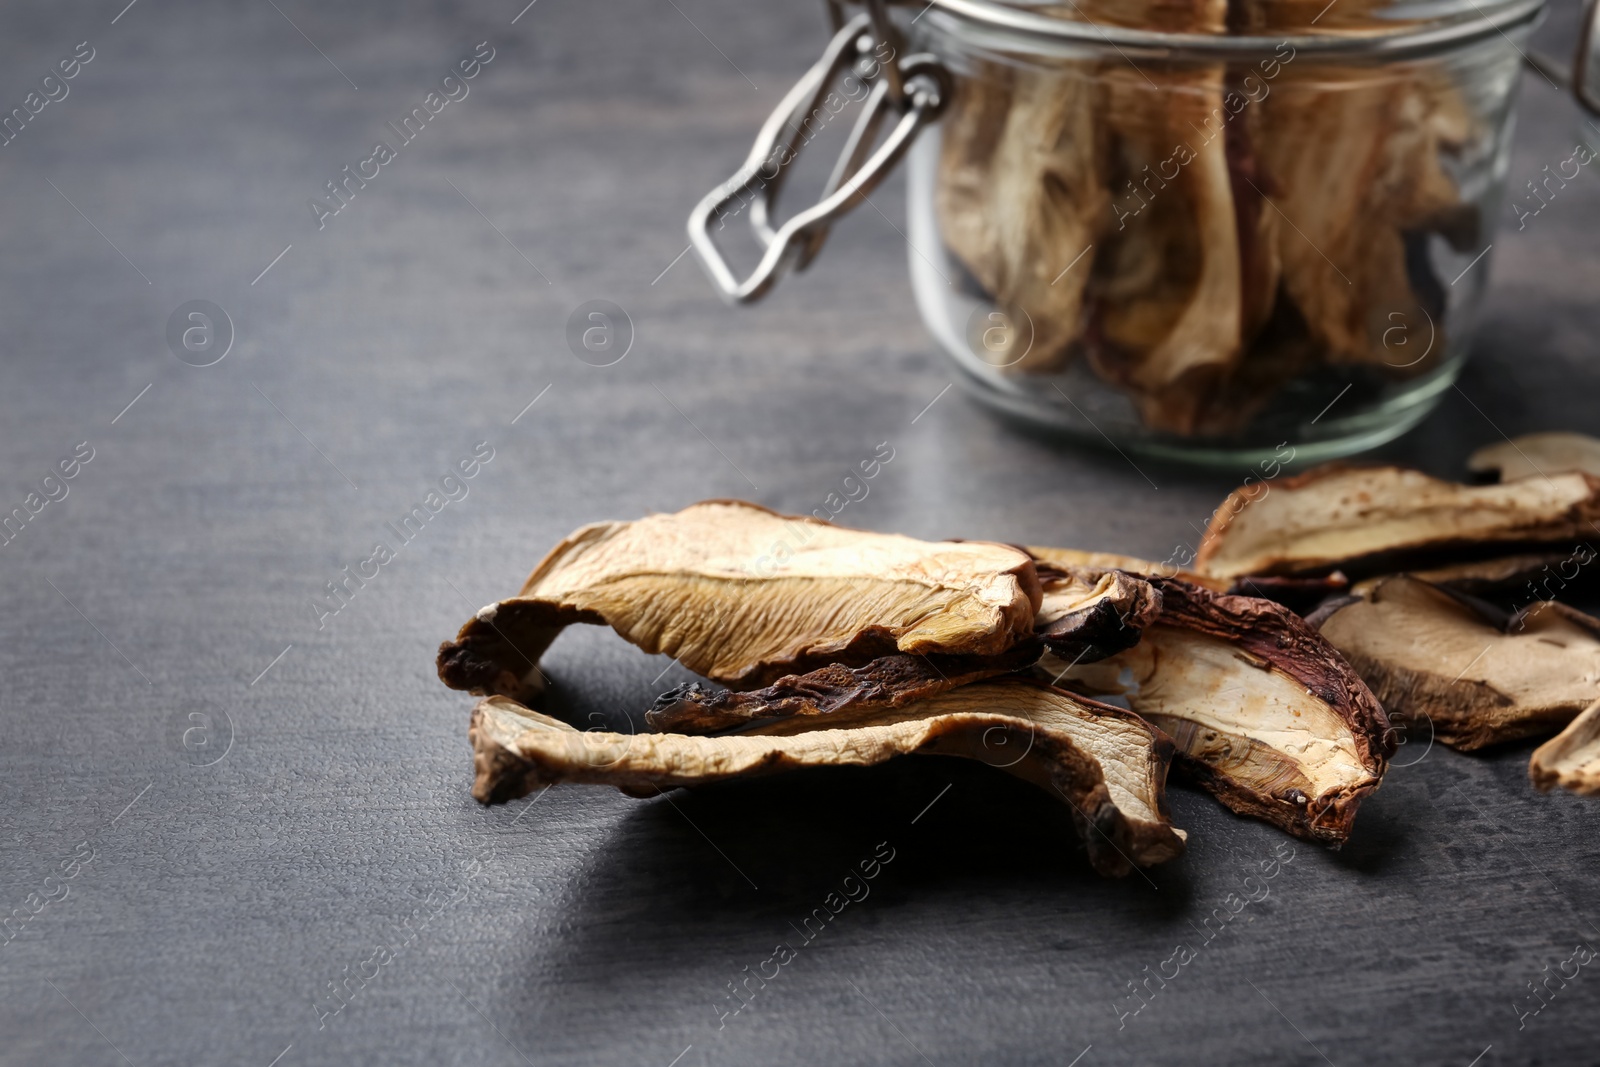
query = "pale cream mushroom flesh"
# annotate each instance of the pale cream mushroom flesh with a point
(1571, 759)
(1472, 677)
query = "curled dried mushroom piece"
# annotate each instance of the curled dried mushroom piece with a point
(1265, 715)
(1571, 759)
(1088, 614)
(1109, 766)
(1476, 674)
(887, 682)
(1537, 455)
(1367, 519)
(743, 595)
(1168, 284)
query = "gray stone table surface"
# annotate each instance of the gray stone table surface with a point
(228, 802)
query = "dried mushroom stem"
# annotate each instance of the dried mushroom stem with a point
(743, 595)
(1265, 715)
(1107, 765)
(1477, 676)
(1571, 759)
(1369, 519)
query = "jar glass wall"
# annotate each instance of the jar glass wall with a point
(1206, 256)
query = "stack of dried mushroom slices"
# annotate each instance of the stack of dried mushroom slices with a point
(1199, 299)
(1265, 715)
(1422, 626)
(842, 647)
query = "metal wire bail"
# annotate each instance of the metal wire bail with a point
(913, 88)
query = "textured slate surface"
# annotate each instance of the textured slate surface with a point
(212, 905)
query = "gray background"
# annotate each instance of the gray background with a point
(593, 928)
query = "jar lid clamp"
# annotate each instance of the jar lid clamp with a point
(916, 91)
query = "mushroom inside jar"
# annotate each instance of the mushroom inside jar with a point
(1203, 236)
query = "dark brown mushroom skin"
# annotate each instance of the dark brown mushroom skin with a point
(887, 681)
(1296, 593)
(499, 655)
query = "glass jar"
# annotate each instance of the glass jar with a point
(1199, 231)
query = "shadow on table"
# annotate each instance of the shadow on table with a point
(693, 886)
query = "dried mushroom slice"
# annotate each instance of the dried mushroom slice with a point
(1355, 157)
(887, 682)
(1537, 455)
(1366, 519)
(1084, 615)
(1170, 286)
(1571, 759)
(1087, 614)
(1130, 756)
(1108, 766)
(744, 596)
(1021, 191)
(1279, 352)
(1265, 714)
(969, 135)
(1477, 675)
(1495, 574)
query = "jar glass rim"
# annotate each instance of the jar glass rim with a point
(962, 18)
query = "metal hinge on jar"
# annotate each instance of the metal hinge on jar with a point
(911, 89)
